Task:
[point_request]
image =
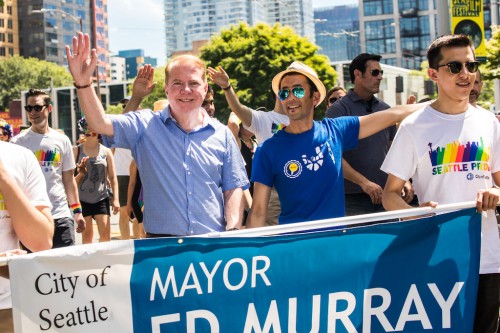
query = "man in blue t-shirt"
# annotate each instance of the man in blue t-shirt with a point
(304, 160)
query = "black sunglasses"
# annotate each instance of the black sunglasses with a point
(37, 108)
(456, 66)
(376, 72)
(333, 99)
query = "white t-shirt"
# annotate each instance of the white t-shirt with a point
(55, 155)
(23, 167)
(123, 158)
(265, 124)
(450, 158)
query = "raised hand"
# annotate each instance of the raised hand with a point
(218, 76)
(143, 83)
(82, 61)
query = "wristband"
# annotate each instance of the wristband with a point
(82, 87)
(228, 87)
(76, 208)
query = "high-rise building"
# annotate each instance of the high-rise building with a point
(118, 72)
(47, 26)
(402, 30)
(9, 31)
(134, 59)
(337, 32)
(189, 24)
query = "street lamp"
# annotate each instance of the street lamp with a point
(63, 13)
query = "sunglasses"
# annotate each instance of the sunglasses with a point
(456, 66)
(376, 72)
(37, 108)
(333, 99)
(298, 92)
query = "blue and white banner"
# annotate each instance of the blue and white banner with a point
(412, 276)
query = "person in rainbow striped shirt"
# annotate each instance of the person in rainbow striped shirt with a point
(451, 151)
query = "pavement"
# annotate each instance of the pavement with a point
(115, 230)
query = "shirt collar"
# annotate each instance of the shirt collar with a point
(166, 115)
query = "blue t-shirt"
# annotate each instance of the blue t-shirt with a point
(306, 169)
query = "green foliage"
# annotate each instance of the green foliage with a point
(158, 91)
(491, 69)
(20, 74)
(115, 109)
(252, 56)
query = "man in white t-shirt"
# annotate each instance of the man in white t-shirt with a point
(451, 150)
(54, 153)
(262, 123)
(24, 215)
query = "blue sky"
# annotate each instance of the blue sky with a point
(137, 24)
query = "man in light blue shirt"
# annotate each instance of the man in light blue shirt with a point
(190, 166)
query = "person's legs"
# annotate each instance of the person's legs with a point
(273, 209)
(124, 218)
(6, 321)
(103, 227)
(88, 233)
(487, 303)
(124, 223)
(64, 232)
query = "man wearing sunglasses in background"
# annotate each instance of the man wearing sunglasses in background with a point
(54, 153)
(438, 147)
(363, 179)
(304, 160)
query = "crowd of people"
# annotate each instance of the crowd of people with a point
(178, 171)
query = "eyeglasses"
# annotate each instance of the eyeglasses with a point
(376, 72)
(37, 108)
(298, 92)
(334, 99)
(456, 66)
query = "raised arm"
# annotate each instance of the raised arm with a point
(377, 121)
(220, 77)
(82, 62)
(143, 86)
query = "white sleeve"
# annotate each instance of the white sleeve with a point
(401, 160)
(68, 160)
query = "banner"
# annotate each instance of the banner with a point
(412, 276)
(467, 17)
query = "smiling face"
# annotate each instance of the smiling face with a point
(186, 87)
(298, 109)
(454, 87)
(38, 119)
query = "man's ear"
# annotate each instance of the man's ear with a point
(316, 97)
(432, 74)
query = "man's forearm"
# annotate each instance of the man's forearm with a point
(94, 112)
(233, 208)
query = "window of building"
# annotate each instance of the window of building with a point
(11, 51)
(2, 37)
(52, 51)
(377, 7)
(68, 25)
(67, 10)
(1, 9)
(80, 14)
(50, 36)
(9, 10)
(2, 51)
(80, 2)
(50, 22)
(2, 23)
(68, 39)
(10, 38)
(9, 24)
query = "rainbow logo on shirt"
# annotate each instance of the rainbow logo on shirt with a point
(2, 203)
(456, 157)
(277, 127)
(49, 157)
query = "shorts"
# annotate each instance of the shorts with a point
(64, 232)
(98, 208)
(123, 189)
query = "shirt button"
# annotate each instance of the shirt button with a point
(189, 193)
(189, 172)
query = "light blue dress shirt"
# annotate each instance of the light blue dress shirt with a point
(183, 174)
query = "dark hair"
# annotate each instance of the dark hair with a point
(38, 92)
(359, 63)
(334, 89)
(434, 51)
(210, 90)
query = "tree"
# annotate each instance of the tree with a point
(20, 74)
(491, 69)
(252, 56)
